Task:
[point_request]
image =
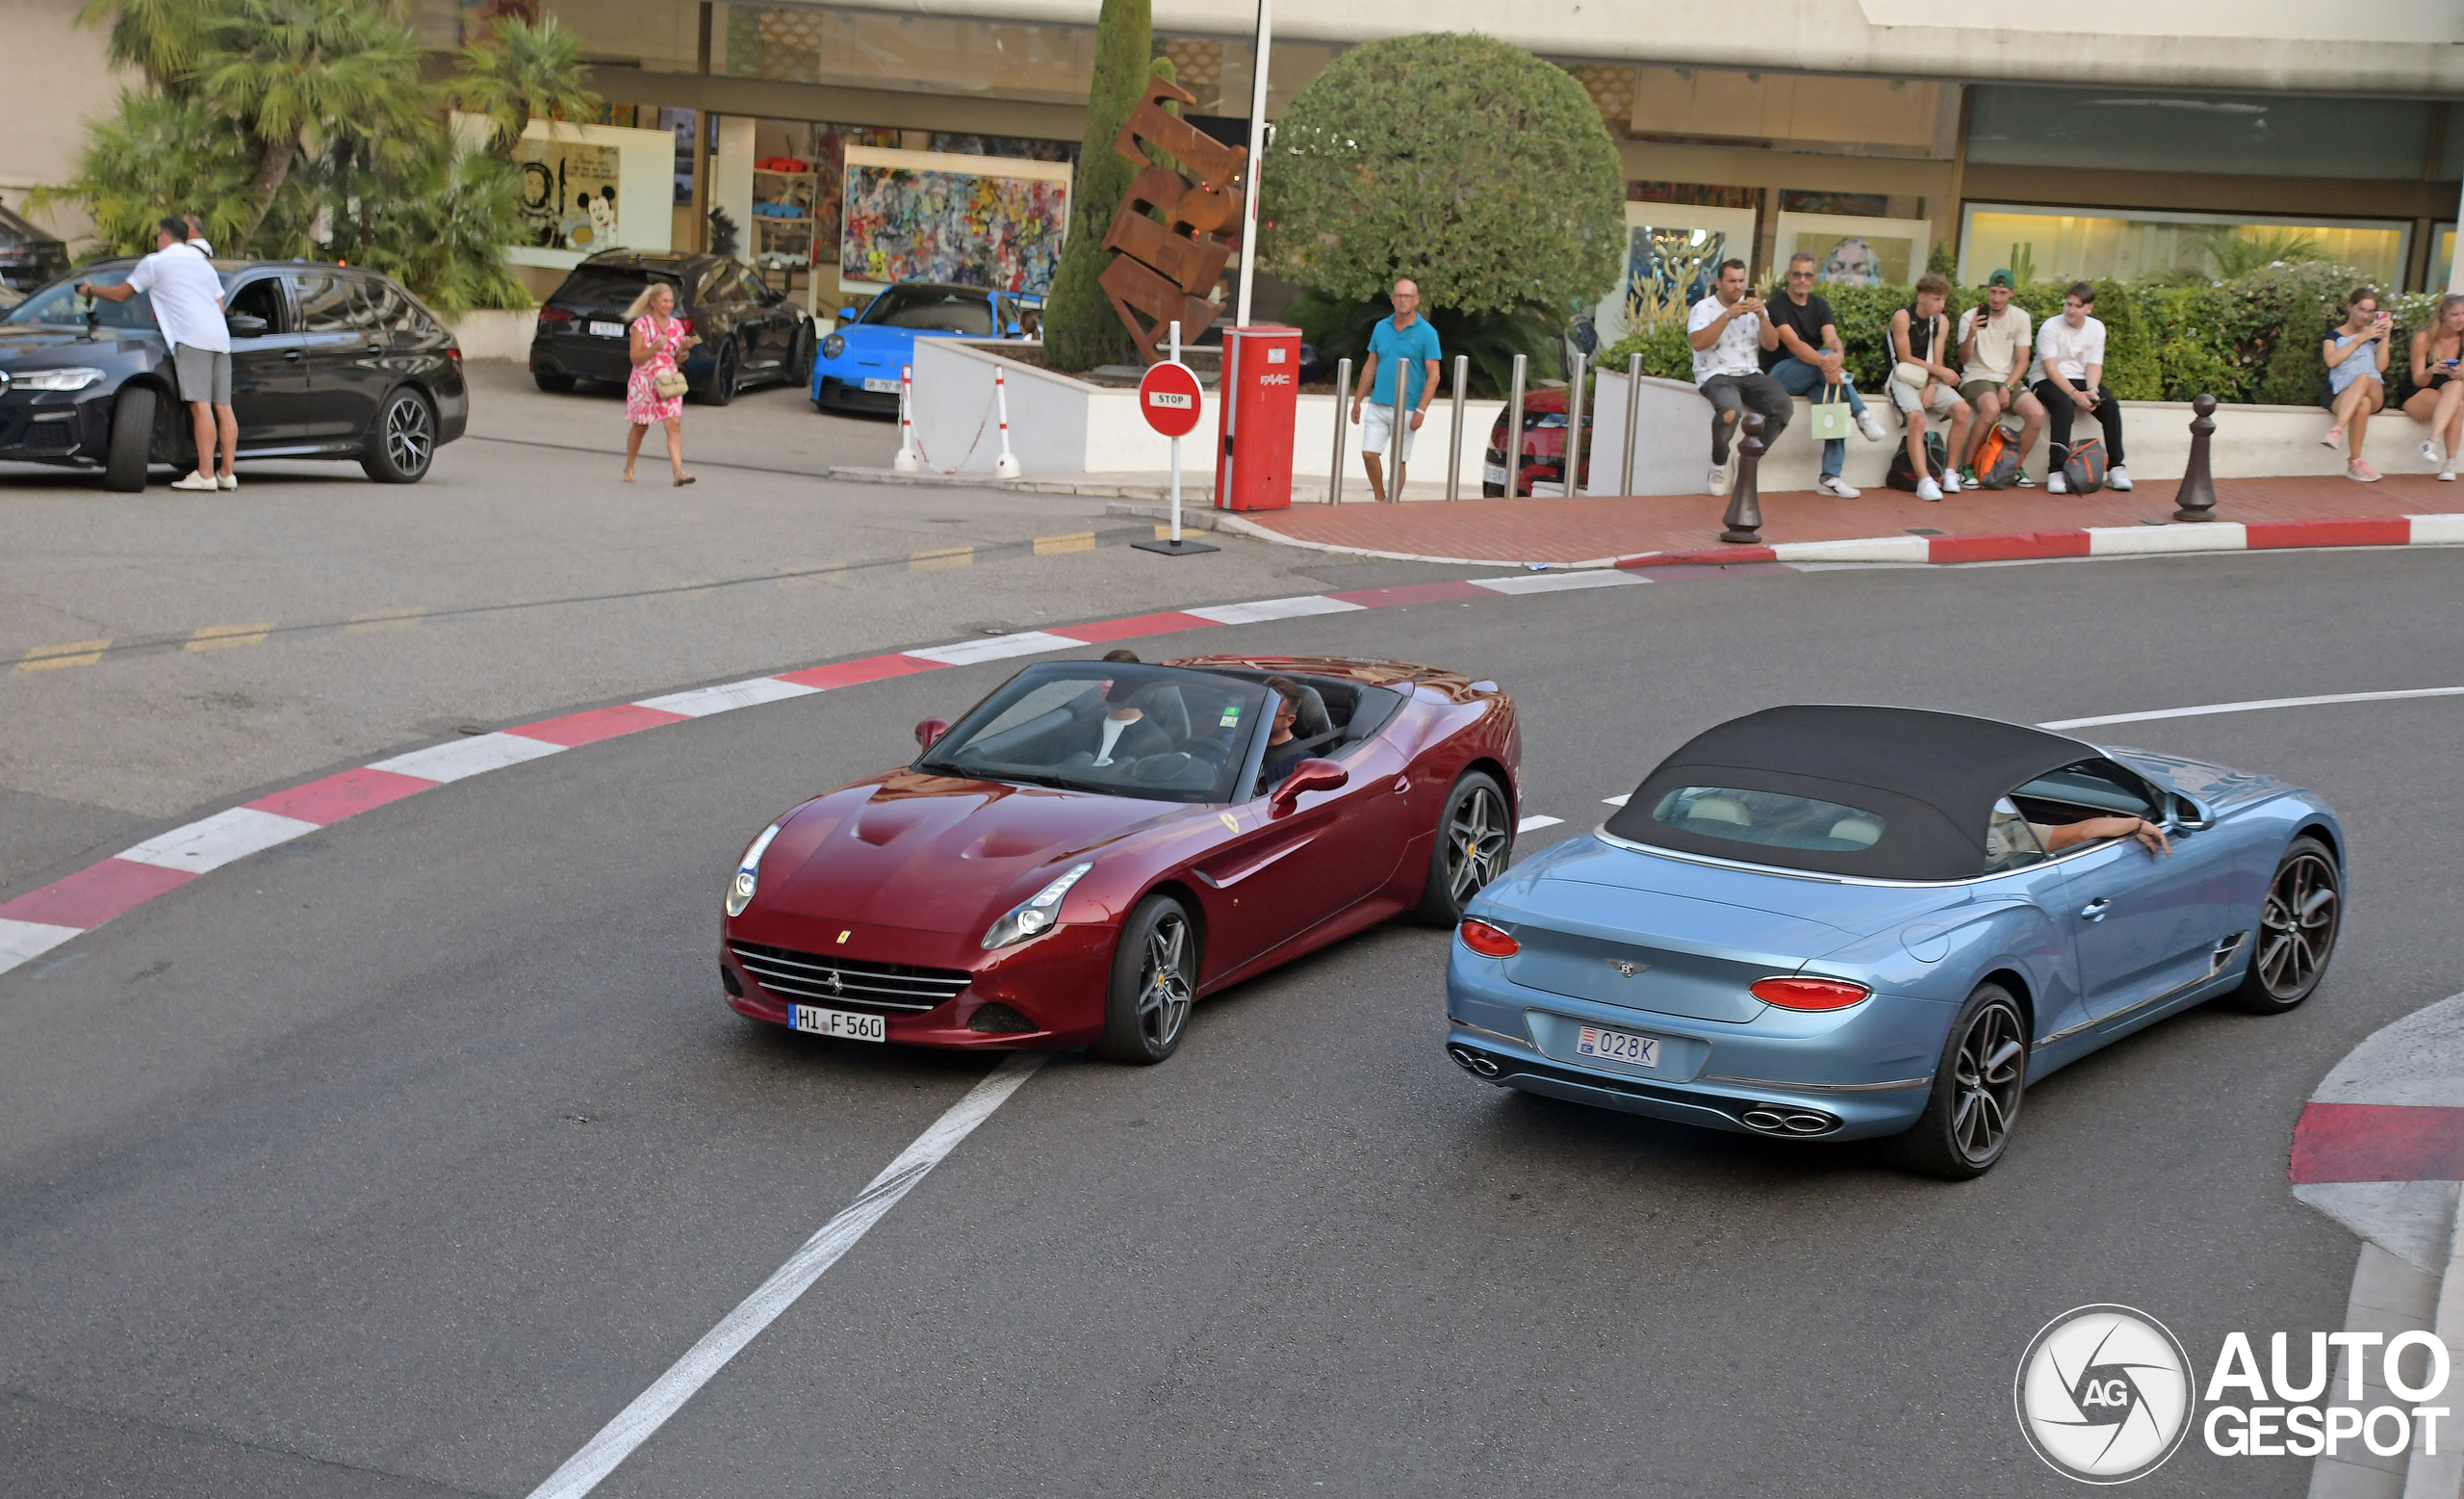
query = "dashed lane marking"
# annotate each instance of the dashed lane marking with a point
(73, 653)
(1533, 824)
(215, 637)
(940, 557)
(1618, 800)
(1078, 541)
(2256, 704)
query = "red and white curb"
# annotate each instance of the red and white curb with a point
(2381, 1148)
(2019, 546)
(34, 922)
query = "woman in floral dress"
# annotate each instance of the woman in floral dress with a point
(658, 344)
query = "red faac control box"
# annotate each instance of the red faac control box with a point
(1257, 409)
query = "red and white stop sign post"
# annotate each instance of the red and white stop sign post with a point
(1171, 401)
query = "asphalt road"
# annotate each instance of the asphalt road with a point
(397, 1160)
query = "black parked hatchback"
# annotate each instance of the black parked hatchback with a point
(750, 333)
(326, 362)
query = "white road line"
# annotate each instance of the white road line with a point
(1559, 582)
(23, 941)
(1263, 609)
(210, 843)
(991, 647)
(2252, 706)
(649, 1411)
(727, 697)
(1618, 800)
(471, 757)
(1535, 824)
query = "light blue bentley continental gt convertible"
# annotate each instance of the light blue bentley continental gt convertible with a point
(1827, 922)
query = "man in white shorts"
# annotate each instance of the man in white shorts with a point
(1403, 343)
(187, 297)
(1922, 380)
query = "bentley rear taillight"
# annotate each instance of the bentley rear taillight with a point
(1809, 994)
(1488, 941)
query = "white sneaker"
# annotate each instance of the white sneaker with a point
(1872, 429)
(2433, 453)
(196, 481)
(1926, 489)
(1950, 481)
(226, 481)
(2117, 477)
(2053, 485)
(1838, 488)
(2447, 474)
(1718, 481)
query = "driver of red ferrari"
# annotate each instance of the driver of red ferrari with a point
(1122, 731)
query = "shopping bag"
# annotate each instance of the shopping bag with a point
(1832, 417)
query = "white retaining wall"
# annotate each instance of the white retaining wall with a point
(1674, 429)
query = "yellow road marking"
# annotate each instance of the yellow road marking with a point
(74, 653)
(1083, 541)
(214, 638)
(946, 557)
(382, 619)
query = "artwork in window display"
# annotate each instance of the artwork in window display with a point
(919, 215)
(569, 194)
(1855, 251)
(1672, 258)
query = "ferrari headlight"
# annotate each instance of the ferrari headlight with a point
(71, 377)
(1035, 914)
(748, 872)
(833, 346)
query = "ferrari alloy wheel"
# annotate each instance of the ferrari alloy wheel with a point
(1154, 983)
(2296, 932)
(1977, 1089)
(1474, 837)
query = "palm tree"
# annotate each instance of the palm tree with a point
(521, 71)
(2238, 253)
(304, 76)
(162, 38)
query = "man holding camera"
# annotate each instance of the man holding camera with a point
(1730, 335)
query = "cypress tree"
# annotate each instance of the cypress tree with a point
(1080, 328)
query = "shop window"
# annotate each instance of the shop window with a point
(925, 54)
(1879, 116)
(2248, 135)
(2128, 245)
(655, 35)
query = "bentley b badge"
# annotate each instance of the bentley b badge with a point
(1625, 969)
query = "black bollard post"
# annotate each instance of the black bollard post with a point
(1744, 520)
(2197, 497)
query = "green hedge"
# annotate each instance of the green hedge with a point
(2163, 342)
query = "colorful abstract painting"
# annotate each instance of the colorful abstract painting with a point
(903, 223)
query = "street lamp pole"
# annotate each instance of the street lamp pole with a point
(1257, 159)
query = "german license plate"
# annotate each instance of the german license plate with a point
(1617, 1045)
(879, 386)
(608, 330)
(1493, 472)
(845, 1024)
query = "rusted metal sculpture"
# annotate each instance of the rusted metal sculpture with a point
(1165, 268)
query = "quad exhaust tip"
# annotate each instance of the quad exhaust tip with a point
(1787, 1119)
(1474, 1062)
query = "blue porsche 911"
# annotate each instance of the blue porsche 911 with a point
(1827, 922)
(858, 365)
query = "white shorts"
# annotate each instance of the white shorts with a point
(1377, 428)
(1905, 397)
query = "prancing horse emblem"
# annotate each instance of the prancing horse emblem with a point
(837, 985)
(1625, 969)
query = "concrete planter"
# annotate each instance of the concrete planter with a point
(493, 334)
(1673, 436)
(1059, 424)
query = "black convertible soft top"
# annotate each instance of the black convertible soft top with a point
(1931, 777)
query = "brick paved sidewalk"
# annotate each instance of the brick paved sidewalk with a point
(1590, 528)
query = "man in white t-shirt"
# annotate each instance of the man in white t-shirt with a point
(1728, 334)
(187, 296)
(1993, 341)
(2070, 356)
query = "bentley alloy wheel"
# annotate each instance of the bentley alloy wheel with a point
(2297, 935)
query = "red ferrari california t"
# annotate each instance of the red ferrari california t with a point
(1098, 844)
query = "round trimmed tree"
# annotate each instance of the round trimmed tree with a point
(1468, 165)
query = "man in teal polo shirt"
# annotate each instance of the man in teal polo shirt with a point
(1403, 341)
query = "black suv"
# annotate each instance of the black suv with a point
(326, 362)
(750, 333)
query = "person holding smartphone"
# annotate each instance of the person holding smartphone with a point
(2355, 352)
(2437, 395)
(2071, 351)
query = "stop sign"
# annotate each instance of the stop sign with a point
(1169, 397)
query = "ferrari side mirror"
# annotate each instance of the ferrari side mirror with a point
(1310, 775)
(931, 731)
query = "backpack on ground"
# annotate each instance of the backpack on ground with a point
(2083, 473)
(1902, 474)
(1998, 458)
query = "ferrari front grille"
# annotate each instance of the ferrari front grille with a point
(894, 987)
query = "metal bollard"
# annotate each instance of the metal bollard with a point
(1342, 409)
(1574, 426)
(1396, 436)
(1455, 437)
(2197, 495)
(1633, 420)
(1514, 428)
(1744, 520)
